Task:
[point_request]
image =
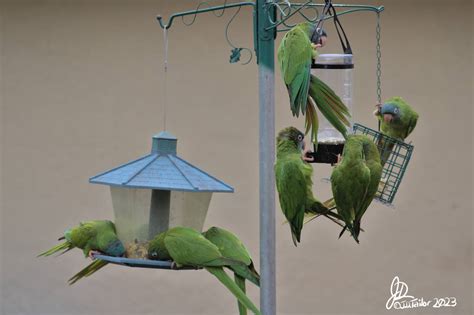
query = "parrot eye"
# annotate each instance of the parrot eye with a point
(396, 110)
(300, 137)
(154, 254)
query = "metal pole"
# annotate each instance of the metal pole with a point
(266, 78)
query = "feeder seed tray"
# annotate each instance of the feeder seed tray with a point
(143, 263)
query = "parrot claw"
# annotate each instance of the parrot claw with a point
(378, 107)
(92, 254)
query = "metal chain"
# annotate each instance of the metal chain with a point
(379, 57)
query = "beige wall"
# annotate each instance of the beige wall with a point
(82, 92)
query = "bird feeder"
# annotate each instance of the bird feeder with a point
(157, 192)
(336, 71)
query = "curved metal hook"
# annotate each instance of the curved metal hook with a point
(235, 54)
(284, 16)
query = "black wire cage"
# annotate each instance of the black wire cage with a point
(397, 154)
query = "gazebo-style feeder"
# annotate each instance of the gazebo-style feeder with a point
(156, 192)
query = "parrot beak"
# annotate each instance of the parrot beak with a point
(301, 145)
(387, 118)
(305, 153)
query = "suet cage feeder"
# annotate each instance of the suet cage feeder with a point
(395, 166)
(336, 70)
(156, 192)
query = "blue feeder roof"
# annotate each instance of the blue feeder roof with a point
(162, 169)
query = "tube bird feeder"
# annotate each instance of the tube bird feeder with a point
(156, 192)
(336, 71)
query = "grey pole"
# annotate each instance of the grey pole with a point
(266, 78)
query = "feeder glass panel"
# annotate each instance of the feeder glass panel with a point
(132, 213)
(336, 71)
(140, 214)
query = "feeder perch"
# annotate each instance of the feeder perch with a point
(395, 166)
(336, 71)
(157, 192)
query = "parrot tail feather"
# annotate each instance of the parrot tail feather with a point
(351, 228)
(66, 246)
(294, 238)
(330, 105)
(343, 230)
(240, 281)
(312, 121)
(247, 272)
(87, 271)
(220, 274)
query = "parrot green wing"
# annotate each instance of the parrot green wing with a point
(372, 161)
(232, 247)
(292, 191)
(229, 245)
(188, 247)
(349, 182)
(412, 120)
(294, 57)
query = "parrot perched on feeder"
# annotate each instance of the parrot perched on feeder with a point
(232, 247)
(295, 54)
(294, 183)
(355, 180)
(90, 236)
(187, 247)
(397, 120)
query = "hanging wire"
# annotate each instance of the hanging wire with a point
(199, 6)
(165, 77)
(379, 58)
(235, 52)
(378, 71)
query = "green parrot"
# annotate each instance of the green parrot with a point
(295, 54)
(397, 120)
(187, 247)
(232, 247)
(90, 236)
(354, 181)
(294, 183)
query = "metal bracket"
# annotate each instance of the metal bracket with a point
(284, 10)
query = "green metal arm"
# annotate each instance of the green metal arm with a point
(198, 11)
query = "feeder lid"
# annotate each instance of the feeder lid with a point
(161, 169)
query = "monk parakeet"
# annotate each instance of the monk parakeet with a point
(232, 247)
(294, 183)
(397, 120)
(295, 54)
(90, 236)
(187, 247)
(354, 181)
